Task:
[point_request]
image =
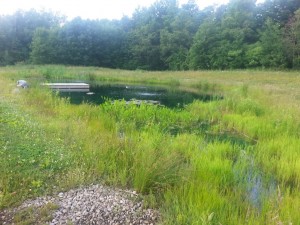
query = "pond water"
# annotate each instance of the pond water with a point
(98, 94)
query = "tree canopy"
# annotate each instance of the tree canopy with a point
(163, 36)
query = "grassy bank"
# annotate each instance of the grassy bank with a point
(232, 161)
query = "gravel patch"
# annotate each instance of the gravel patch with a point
(94, 205)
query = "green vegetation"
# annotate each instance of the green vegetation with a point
(163, 36)
(35, 215)
(232, 161)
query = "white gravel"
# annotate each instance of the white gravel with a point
(96, 204)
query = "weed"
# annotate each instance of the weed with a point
(35, 215)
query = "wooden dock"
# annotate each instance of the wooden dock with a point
(68, 86)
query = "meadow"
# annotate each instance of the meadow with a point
(231, 161)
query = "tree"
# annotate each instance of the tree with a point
(17, 30)
(45, 46)
(204, 50)
(222, 41)
(163, 36)
(280, 11)
(238, 31)
(177, 36)
(145, 37)
(272, 50)
(253, 55)
(90, 43)
(292, 40)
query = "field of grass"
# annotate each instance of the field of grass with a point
(231, 161)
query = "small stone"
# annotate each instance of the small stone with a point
(96, 204)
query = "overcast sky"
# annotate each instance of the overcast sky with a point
(92, 9)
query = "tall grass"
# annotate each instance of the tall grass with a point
(231, 161)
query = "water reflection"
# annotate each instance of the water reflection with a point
(168, 97)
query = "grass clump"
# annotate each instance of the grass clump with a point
(35, 215)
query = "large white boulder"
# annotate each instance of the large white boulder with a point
(22, 83)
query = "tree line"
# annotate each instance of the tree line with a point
(163, 36)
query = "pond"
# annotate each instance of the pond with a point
(98, 94)
(250, 177)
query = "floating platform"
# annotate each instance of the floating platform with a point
(76, 87)
(85, 90)
(140, 102)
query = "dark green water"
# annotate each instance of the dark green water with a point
(167, 97)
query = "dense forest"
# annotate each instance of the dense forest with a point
(163, 36)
